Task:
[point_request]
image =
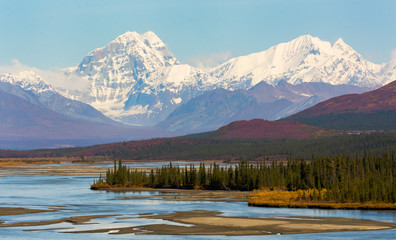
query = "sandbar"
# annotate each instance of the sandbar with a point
(201, 222)
(5, 211)
(73, 220)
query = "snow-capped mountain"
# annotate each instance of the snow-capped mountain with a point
(304, 59)
(29, 81)
(29, 86)
(135, 79)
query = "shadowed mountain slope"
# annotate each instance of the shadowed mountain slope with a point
(25, 125)
(219, 107)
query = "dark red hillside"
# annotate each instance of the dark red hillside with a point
(374, 110)
(381, 99)
(258, 128)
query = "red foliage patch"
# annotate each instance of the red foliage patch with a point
(258, 128)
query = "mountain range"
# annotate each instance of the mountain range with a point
(303, 134)
(136, 80)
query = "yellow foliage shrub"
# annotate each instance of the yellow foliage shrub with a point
(304, 199)
(99, 185)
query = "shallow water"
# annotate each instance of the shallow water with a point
(35, 191)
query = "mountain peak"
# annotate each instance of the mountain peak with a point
(130, 49)
(148, 38)
(310, 41)
(339, 42)
(303, 46)
(127, 37)
(342, 47)
(151, 35)
(306, 38)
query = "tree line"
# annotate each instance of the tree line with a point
(207, 147)
(370, 177)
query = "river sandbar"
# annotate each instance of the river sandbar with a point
(5, 211)
(202, 222)
(73, 220)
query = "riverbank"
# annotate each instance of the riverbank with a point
(325, 205)
(6, 162)
(64, 166)
(53, 169)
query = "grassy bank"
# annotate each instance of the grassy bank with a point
(311, 198)
(21, 161)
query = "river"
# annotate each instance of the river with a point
(73, 194)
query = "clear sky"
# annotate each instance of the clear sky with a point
(54, 34)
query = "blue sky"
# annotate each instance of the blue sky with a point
(55, 34)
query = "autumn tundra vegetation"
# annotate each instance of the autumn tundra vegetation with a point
(356, 181)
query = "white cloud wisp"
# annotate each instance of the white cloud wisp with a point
(207, 61)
